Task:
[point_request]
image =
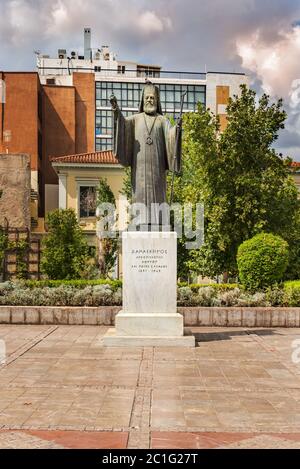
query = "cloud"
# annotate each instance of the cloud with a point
(276, 64)
(289, 139)
(59, 18)
(149, 22)
(20, 21)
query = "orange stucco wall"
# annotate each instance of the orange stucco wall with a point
(19, 115)
(58, 126)
(47, 120)
(84, 84)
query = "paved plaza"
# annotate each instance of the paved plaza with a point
(60, 388)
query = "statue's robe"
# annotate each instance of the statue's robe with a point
(149, 163)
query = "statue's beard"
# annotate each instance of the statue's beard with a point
(150, 108)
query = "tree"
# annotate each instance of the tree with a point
(107, 246)
(3, 247)
(199, 158)
(65, 251)
(127, 188)
(293, 239)
(244, 184)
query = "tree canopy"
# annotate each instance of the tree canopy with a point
(246, 187)
(65, 251)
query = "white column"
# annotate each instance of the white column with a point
(62, 191)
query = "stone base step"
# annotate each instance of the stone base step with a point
(149, 324)
(111, 339)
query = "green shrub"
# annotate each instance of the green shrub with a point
(275, 295)
(100, 292)
(90, 270)
(229, 297)
(255, 299)
(207, 296)
(217, 286)
(80, 283)
(63, 295)
(262, 261)
(185, 296)
(291, 293)
(107, 246)
(115, 284)
(3, 246)
(65, 251)
(292, 284)
(6, 287)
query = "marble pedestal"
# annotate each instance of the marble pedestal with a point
(149, 316)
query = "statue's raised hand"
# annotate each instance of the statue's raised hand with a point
(114, 102)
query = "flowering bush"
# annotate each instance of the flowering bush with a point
(110, 294)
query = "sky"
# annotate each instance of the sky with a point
(258, 37)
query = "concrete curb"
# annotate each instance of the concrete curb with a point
(193, 316)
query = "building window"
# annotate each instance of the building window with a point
(148, 72)
(121, 69)
(87, 201)
(104, 144)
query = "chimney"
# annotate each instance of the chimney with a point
(87, 44)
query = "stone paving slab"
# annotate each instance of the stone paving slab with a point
(34, 439)
(22, 440)
(172, 440)
(61, 380)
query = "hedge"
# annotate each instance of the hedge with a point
(217, 286)
(117, 284)
(114, 284)
(292, 292)
(104, 292)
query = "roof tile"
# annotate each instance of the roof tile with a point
(98, 157)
